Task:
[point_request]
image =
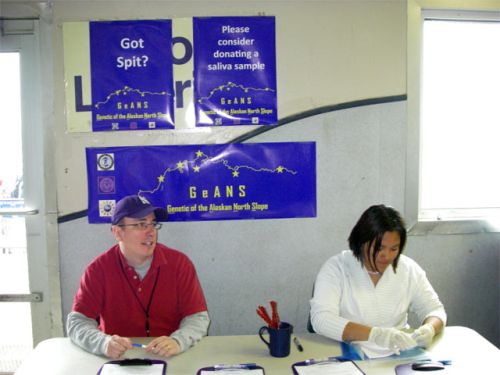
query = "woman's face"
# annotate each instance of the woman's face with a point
(389, 250)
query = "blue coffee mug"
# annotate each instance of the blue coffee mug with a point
(279, 339)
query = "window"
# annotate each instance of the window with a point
(16, 340)
(460, 116)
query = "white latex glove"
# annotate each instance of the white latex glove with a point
(391, 338)
(424, 335)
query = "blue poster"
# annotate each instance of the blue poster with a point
(235, 71)
(132, 75)
(206, 182)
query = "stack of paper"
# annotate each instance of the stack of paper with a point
(329, 368)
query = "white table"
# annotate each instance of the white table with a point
(469, 351)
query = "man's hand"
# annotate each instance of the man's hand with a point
(117, 346)
(164, 346)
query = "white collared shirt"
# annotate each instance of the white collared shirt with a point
(344, 292)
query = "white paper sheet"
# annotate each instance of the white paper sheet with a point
(329, 368)
(257, 371)
(373, 351)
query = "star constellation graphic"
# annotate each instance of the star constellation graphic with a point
(202, 158)
(230, 85)
(128, 90)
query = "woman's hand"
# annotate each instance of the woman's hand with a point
(391, 338)
(424, 335)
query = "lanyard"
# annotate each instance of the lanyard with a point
(146, 310)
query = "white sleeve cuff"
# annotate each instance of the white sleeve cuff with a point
(191, 330)
(329, 326)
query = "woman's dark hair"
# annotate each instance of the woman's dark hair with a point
(371, 227)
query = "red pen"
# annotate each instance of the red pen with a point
(262, 312)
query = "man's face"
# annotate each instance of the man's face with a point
(137, 244)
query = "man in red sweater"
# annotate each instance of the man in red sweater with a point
(138, 288)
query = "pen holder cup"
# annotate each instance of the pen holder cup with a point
(279, 339)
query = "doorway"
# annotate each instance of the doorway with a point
(29, 269)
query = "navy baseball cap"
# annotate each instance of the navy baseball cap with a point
(136, 207)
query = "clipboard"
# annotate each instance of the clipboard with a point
(235, 369)
(331, 365)
(143, 366)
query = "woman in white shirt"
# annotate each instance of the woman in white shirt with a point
(364, 294)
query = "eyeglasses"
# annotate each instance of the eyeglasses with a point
(142, 225)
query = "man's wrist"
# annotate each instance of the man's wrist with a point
(104, 346)
(179, 341)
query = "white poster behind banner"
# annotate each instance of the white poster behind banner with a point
(76, 44)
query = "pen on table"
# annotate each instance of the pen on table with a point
(297, 343)
(444, 362)
(138, 345)
(322, 360)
